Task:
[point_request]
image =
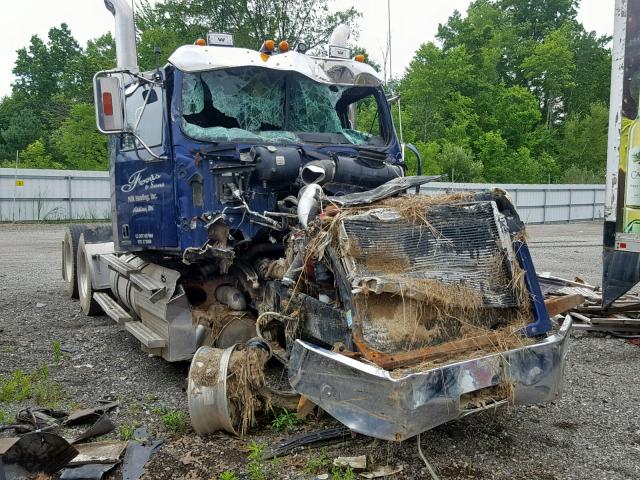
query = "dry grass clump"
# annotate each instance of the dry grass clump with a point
(245, 379)
(416, 207)
(215, 319)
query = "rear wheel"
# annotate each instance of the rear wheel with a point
(85, 290)
(69, 258)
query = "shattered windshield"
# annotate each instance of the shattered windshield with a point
(257, 104)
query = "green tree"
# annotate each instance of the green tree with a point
(584, 142)
(43, 70)
(459, 164)
(36, 156)
(81, 146)
(550, 68)
(173, 23)
(22, 128)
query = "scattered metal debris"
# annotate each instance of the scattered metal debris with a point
(356, 463)
(584, 303)
(320, 436)
(89, 413)
(102, 426)
(94, 471)
(383, 471)
(40, 452)
(99, 452)
(138, 453)
(41, 417)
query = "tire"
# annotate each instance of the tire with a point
(69, 258)
(85, 291)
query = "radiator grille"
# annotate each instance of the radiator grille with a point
(460, 251)
(460, 245)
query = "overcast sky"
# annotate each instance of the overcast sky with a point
(413, 22)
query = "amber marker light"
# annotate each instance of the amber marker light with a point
(359, 58)
(201, 42)
(283, 46)
(269, 45)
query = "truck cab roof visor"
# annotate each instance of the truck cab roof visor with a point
(192, 58)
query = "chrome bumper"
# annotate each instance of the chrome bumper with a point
(368, 400)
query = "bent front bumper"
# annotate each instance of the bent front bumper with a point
(368, 400)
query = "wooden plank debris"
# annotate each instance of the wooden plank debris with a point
(623, 316)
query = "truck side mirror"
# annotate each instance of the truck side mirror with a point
(412, 148)
(109, 102)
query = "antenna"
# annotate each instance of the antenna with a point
(389, 37)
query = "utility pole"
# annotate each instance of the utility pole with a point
(15, 186)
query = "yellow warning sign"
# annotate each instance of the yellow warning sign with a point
(19, 183)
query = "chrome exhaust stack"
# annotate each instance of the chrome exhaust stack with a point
(125, 34)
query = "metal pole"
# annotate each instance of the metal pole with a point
(400, 121)
(69, 193)
(15, 186)
(389, 37)
(570, 203)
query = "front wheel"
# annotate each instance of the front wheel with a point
(85, 290)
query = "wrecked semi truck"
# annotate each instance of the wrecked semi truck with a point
(263, 231)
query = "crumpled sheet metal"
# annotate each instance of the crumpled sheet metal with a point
(138, 454)
(368, 400)
(95, 471)
(40, 452)
(385, 190)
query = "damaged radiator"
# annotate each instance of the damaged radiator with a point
(429, 277)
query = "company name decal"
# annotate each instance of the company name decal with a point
(137, 180)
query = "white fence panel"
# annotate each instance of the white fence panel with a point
(541, 203)
(64, 194)
(27, 194)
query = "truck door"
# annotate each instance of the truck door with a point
(143, 183)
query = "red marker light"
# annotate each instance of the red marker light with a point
(623, 245)
(107, 104)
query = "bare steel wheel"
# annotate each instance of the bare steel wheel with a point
(209, 407)
(69, 258)
(85, 291)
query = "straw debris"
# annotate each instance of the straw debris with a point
(215, 319)
(245, 378)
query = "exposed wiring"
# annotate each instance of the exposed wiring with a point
(430, 469)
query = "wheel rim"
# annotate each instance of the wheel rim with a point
(83, 280)
(68, 261)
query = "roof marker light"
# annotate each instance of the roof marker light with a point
(201, 42)
(283, 46)
(359, 58)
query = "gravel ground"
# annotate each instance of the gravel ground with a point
(591, 433)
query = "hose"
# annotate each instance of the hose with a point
(430, 469)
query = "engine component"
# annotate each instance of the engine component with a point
(351, 171)
(308, 204)
(232, 297)
(276, 166)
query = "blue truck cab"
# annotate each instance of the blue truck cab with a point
(220, 134)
